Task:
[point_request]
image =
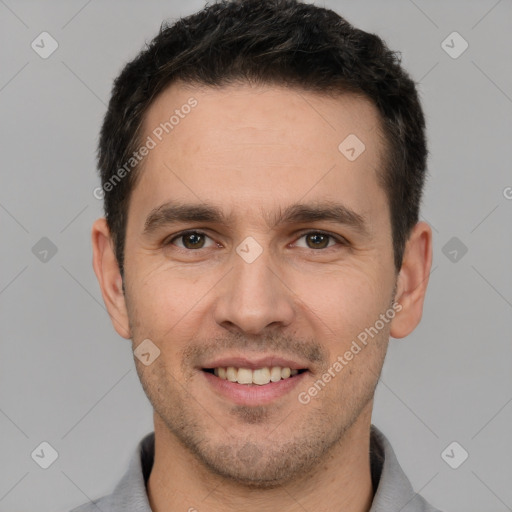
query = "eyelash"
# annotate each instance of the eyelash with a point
(341, 241)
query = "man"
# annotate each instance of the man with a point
(262, 165)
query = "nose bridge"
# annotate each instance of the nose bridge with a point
(252, 296)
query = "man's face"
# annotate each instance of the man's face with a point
(260, 291)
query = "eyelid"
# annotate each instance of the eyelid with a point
(338, 238)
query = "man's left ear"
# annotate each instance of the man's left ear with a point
(413, 280)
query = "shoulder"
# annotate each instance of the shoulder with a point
(393, 489)
(130, 492)
(104, 504)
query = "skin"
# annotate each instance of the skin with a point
(250, 150)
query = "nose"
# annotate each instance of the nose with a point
(254, 297)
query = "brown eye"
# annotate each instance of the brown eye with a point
(317, 240)
(193, 240)
(189, 240)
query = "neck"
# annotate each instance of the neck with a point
(178, 481)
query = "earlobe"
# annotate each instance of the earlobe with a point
(109, 278)
(413, 280)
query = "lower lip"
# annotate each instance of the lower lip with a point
(244, 394)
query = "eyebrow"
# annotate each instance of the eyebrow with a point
(174, 212)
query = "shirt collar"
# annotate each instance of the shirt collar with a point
(393, 489)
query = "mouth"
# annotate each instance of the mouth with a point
(254, 377)
(253, 382)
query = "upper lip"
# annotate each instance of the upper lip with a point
(255, 362)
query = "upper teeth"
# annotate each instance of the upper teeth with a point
(260, 376)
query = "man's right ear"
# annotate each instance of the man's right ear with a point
(109, 277)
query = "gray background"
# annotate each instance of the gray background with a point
(67, 378)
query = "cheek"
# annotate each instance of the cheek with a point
(160, 305)
(346, 300)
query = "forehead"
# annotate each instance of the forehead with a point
(274, 115)
(265, 145)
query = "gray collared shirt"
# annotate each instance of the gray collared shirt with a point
(394, 492)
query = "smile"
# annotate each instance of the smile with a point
(253, 387)
(258, 376)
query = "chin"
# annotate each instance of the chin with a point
(256, 467)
